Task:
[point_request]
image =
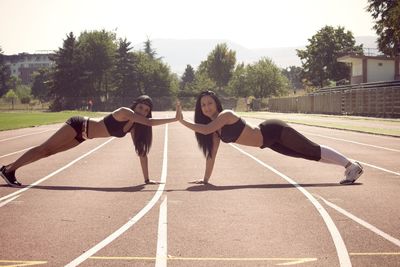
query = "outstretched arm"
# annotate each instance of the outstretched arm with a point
(128, 114)
(213, 126)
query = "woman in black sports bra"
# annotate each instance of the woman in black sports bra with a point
(213, 124)
(136, 120)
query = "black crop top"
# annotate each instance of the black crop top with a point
(231, 132)
(114, 127)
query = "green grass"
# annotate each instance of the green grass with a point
(23, 119)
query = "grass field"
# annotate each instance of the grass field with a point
(23, 119)
(380, 126)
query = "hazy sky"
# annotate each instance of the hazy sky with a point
(31, 25)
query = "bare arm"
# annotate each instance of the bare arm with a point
(145, 167)
(128, 114)
(213, 126)
(144, 163)
(210, 161)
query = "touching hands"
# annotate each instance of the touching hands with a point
(179, 115)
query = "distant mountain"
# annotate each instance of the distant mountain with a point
(178, 53)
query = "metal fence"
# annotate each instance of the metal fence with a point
(372, 99)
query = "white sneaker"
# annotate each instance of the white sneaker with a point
(352, 173)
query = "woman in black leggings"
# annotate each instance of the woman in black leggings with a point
(213, 124)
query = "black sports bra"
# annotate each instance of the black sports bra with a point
(114, 127)
(231, 132)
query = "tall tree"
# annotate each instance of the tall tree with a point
(153, 76)
(187, 78)
(40, 86)
(237, 84)
(148, 49)
(97, 52)
(387, 24)
(5, 75)
(124, 74)
(293, 74)
(319, 59)
(220, 65)
(66, 75)
(265, 79)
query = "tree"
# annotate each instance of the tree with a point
(97, 54)
(387, 24)
(265, 79)
(11, 96)
(148, 49)
(41, 84)
(293, 74)
(220, 65)
(187, 80)
(125, 73)
(319, 59)
(66, 81)
(153, 76)
(238, 82)
(5, 75)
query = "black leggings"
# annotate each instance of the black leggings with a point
(283, 139)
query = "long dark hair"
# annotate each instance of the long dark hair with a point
(143, 136)
(205, 142)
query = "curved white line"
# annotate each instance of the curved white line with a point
(343, 255)
(363, 223)
(135, 219)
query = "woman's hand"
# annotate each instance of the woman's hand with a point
(148, 181)
(200, 181)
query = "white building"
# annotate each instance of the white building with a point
(23, 65)
(365, 69)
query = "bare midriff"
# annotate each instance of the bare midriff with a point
(250, 136)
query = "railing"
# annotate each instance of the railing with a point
(371, 99)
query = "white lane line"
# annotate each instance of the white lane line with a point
(55, 172)
(19, 136)
(161, 255)
(354, 142)
(363, 223)
(16, 152)
(343, 255)
(133, 220)
(8, 200)
(379, 168)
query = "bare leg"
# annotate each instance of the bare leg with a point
(61, 140)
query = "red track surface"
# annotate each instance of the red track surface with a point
(248, 215)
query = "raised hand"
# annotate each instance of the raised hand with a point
(179, 115)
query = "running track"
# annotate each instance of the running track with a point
(89, 206)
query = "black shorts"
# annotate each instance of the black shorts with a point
(283, 139)
(80, 125)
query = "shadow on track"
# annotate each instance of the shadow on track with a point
(211, 187)
(136, 188)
